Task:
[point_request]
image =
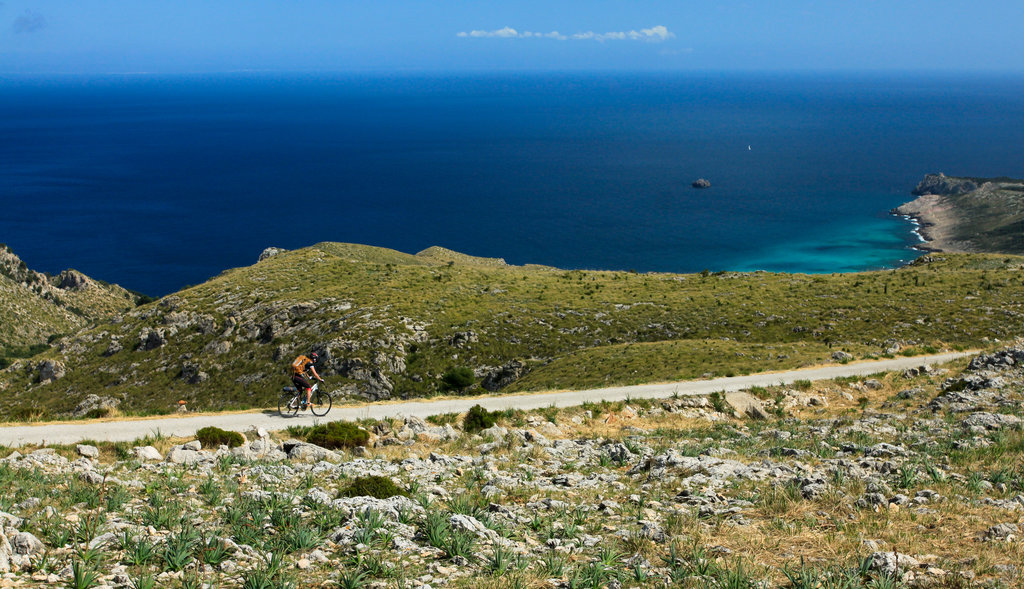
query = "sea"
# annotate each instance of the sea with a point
(157, 182)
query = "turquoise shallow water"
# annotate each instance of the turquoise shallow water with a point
(158, 182)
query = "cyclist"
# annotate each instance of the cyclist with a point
(299, 367)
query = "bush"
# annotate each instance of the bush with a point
(478, 418)
(211, 437)
(457, 378)
(337, 434)
(373, 486)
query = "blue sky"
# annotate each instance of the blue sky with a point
(62, 36)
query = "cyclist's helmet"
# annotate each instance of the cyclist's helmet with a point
(314, 356)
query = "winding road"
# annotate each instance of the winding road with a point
(186, 425)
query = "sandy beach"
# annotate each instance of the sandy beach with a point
(936, 221)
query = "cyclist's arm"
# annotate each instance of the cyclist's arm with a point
(313, 370)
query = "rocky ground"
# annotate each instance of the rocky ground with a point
(912, 479)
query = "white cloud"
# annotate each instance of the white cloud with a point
(655, 34)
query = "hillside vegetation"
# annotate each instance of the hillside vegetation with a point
(36, 308)
(388, 324)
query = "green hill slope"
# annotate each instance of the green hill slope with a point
(389, 324)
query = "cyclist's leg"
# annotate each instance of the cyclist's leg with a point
(303, 386)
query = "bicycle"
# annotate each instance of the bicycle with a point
(291, 401)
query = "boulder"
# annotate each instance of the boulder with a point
(302, 451)
(87, 451)
(151, 339)
(27, 544)
(179, 455)
(841, 356)
(147, 454)
(892, 564)
(746, 405)
(701, 183)
(50, 370)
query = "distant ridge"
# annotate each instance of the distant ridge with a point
(446, 255)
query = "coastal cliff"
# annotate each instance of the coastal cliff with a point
(961, 214)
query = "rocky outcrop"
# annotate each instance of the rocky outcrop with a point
(71, 280)
(50, 370)
(495, 379)
(942, 185)
(94, 403)
(270, 252)
(701, 183)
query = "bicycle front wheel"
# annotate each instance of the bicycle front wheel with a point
(288, 405)
(321, 403)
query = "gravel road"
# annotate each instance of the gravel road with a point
(186, 425)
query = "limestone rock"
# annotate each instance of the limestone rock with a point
(270, 252)
(27, 544)
(746, 405)
(499, 378)
(1002, 533)
(94, 403)
(892, 564)
(71, 280)
(147, 454)
(87, 451)
(990, 421)
(302, 451)
(179, 455)
(50, 370)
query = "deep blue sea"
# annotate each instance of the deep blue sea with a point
(156, 182)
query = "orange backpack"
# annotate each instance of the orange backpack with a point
(299, 365)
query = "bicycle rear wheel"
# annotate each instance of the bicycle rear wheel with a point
(321, 403)
(288, 405)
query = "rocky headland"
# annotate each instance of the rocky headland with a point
(968, 214)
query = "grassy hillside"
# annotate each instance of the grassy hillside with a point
(388, 324)
(36, 308)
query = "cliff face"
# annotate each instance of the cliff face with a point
(941, 184)
(969, 214)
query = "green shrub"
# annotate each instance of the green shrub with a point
(337, 434)
(373, 486)
(457, 378)
(212, 437)
(478, 418)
